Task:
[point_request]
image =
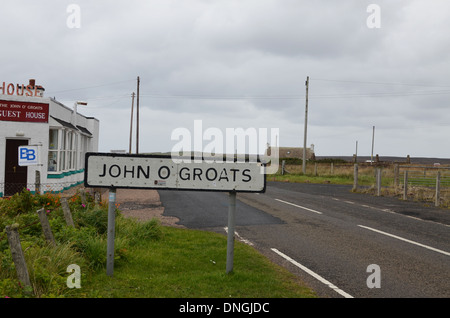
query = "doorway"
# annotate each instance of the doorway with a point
(15, 175)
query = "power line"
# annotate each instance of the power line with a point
(382, 94)
(379, 83)
(221, 97)
(156, 95)
(89, 87)
(294, 97)
(274, 97)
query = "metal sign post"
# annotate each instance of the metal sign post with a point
(111, 232)
(231, 226)
(113, 171)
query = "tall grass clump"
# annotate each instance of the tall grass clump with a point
(84, 245)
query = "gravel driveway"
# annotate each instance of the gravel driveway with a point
(143, 205)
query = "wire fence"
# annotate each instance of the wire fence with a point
(425, 176)
(416, 182)
(9, 189)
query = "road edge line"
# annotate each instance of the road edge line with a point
(299, 206)
(313, 274)
(406, 240)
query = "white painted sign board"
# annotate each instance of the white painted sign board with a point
(109, 170)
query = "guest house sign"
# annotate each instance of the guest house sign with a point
(23, 111)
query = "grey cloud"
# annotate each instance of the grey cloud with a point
(196, 58)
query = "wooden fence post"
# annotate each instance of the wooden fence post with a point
(97, 196)
(17, 254)
(378, 182)
(396, 175)
(37, 182)
(355, 177)
(405, 186)
(438, 189)
(83, 196)
(67, 213)
(46, 227)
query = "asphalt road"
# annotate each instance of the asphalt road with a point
(340, 243)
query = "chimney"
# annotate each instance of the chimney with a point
(39, 89)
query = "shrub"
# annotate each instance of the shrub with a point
(84, 245)
(97, 217)
(47, 267)
(137, 231)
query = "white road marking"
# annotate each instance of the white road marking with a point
(239, 237)
(313, 274)
(390, 211)
(299, 206)
(406, 240)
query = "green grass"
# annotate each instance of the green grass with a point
(331, 179)
(190, 263)
(151, 261)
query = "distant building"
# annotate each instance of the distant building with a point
(295, 152)
(55, 135)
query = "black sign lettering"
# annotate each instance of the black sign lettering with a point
(249, 178)
(185, 176)
(167, 172)
(119, 171)
(104, 172)
(234, 174)
(224, 175)
(208, 174)
(145, 173)
(125, 171)
(197, 173)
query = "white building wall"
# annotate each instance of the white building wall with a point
(38, 134)
(35, 133)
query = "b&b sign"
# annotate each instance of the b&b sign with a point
(108, 170)
(28, 156)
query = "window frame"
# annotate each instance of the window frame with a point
(65, 151)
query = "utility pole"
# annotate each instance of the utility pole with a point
(306, 125)
(137, 117)
(373, 138)
(131, 122)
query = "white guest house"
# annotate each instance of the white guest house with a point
(42, 141)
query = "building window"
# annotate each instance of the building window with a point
(69, 146)
(71, 150)
(53, 150)
(83, 148)
(63, 150)
(74, 151)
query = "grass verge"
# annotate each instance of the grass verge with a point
(151, 261)
(329, 179)
(190, 263)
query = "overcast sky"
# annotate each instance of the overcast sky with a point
(244, 63)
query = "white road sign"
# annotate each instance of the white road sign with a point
(161, 172)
